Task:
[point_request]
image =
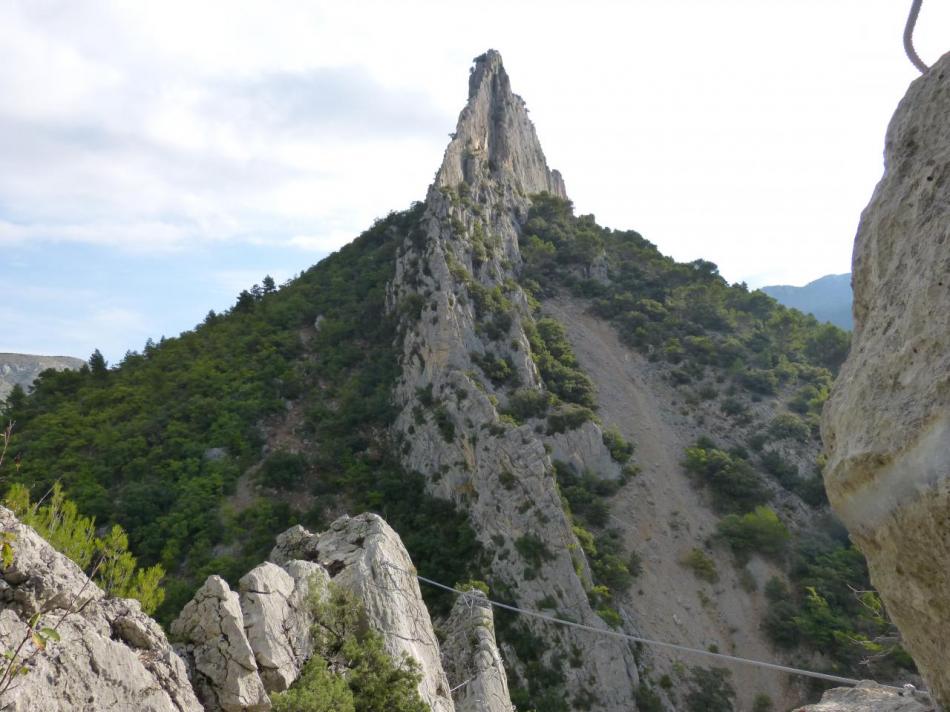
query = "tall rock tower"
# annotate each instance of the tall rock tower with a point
(467, 350)
(887, 424)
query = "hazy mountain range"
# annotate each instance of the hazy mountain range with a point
(827, 298)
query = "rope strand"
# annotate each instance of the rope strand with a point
(656, 643)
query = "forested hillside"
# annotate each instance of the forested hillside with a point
(159, 442)
(425, 372)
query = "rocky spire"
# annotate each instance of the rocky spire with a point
(467, 353)
(495, 134)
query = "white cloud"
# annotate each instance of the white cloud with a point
(744, 132)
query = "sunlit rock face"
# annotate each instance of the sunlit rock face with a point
(887, 423)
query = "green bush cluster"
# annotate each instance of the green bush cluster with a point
(106, 558)
(620, 450)
(554, 357)
(758, 531)
(734, 483)
(701, 564)
(831, 607)
(350, 670)
(710, 691)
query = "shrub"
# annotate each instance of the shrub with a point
(554, 357)
(620, 450)
(526, 403)
(74, 535)
(734, 484)
(568, 417)
(789, 426)
(444, 422)
(350, 668)
(499, 371)
(533, 549)
(762, 703)
(757, 531)
(711, 691)
(283, 470)
(701, 565)
(758, 381)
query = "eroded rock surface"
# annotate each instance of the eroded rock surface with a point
(460, 359)
(471, 657)
(225, 670)
(887, 424)
(364, 555)
(110, 655)
(277, 619)
(869, 697)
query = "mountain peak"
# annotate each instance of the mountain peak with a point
(495, 137)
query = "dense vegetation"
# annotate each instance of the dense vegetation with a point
(158, 443)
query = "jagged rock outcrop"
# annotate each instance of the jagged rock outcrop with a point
(471, 657)
(22, 369)
(869, 697)
(277, 619)
(460, 359)
(887, 423)
(110, 655)
(364, 555)
(225, 672)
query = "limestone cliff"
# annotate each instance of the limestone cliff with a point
(109, 656)
(466, 346)
(887, 424)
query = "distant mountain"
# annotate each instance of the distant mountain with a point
(23, 369)
(827, 298)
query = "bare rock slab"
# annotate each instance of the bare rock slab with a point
(887, 423)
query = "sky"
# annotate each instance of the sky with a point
(157, 158)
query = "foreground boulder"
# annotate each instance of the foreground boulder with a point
(887, 423)
(110, 655)
(870, 697)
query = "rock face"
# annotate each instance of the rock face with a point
(363, 554)
(225, 670)
(461, 266)
(22, 369)
(471, 657)
(110, 655)
(869, 697)
(887, 424)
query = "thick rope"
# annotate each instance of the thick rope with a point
(909, 37)
(656, 643)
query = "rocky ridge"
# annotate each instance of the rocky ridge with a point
(887, 423)
(22, 369)
(235, 647)
(461, 262)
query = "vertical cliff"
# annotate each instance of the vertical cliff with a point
(887, 424)
(466, 353)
